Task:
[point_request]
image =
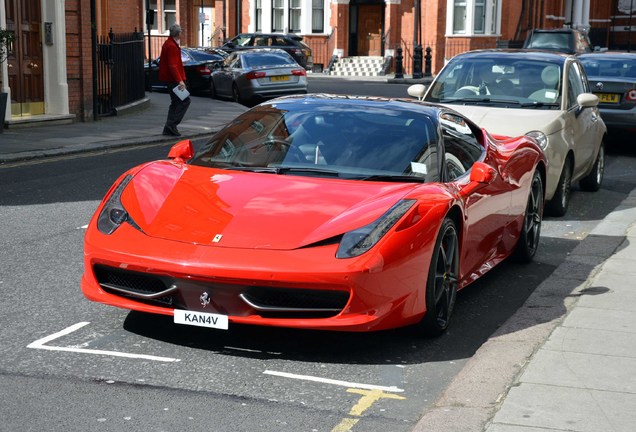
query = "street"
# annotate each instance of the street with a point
(69, 364)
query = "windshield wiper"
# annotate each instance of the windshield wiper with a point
(482, 100)
(537, 104)
(394, 178)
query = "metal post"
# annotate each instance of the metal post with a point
(629, 33)
(417, 62)
(399, 72)
(202, 19)
(94, 62)
(428, 62)
(149, 22)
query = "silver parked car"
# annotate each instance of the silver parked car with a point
(612, 77)
(247, 76)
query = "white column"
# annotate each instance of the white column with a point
(585, 19)
(54, 56)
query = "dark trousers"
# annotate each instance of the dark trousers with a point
(177, 108)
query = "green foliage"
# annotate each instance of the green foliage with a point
(6, 40)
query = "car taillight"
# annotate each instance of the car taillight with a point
(307, 52)
(631, 95)
(299, 72)
(203, 70)
(254, 75)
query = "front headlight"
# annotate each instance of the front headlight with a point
(360, 240)
(541, 138)
(114, 214)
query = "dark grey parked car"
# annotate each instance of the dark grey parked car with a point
(247, 76)
(570, 41)
(612, 77)
(289, 42)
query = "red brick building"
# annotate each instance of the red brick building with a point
(53, 78)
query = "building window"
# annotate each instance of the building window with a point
(317, 16)
(258, 16)
(459, 17)
(278, 15)
(294, 16)
(164, 15)
(169, 13)
(480, 17)
(153, 8)
(473, 17)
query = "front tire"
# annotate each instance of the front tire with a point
(531, 230)
(558, 205)
(592, 182)
(442, 281)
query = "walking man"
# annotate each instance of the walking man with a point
(172, 73)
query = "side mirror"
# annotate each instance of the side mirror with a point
(183, 150)
(417, 91)
(587, 100)
(481, 175)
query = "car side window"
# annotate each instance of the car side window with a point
(461, 146)
(261, 41)
(575, 85)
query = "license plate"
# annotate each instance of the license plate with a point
(608, 97)
(279, 78)
(200, 319)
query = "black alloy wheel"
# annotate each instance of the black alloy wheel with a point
(528, 242)
(442, 281)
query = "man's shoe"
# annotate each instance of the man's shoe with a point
(172, 131)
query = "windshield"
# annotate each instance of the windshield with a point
(328, 140)
(499, 81)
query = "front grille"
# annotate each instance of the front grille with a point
(228, 299)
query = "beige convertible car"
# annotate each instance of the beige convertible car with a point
(535, 93)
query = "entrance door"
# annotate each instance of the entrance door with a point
(370, 29)
(25, 63)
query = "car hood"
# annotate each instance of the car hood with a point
(236, 209)
(512, 122)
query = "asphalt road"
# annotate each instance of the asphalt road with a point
(71, 365)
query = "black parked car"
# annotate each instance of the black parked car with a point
(198, 65)
(570, 41)
(289, 42)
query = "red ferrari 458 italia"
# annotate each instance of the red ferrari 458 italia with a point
(318, 212)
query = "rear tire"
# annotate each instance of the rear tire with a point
(213, 93)
(592, 182)
(442, 281)
(558, 205)
(236, 95)
(528, 242)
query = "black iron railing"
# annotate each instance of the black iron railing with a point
(120, 71)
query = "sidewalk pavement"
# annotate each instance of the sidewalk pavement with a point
(566, 361)
(142, 125)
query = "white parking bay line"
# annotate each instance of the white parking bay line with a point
(40, 344)
(391, 389)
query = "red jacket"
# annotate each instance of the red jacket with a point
(170, 64)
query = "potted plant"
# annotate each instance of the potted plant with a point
(6, 39)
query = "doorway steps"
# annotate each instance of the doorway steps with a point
(357, 66)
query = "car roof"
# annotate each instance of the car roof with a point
(557, 30)
(289, 35)
(408, 104)
(255, 51)
(533, 54)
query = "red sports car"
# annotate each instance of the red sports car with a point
(320, 212)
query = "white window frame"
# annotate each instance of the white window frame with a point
(492, 22)
(160, 18)
(306, 8)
